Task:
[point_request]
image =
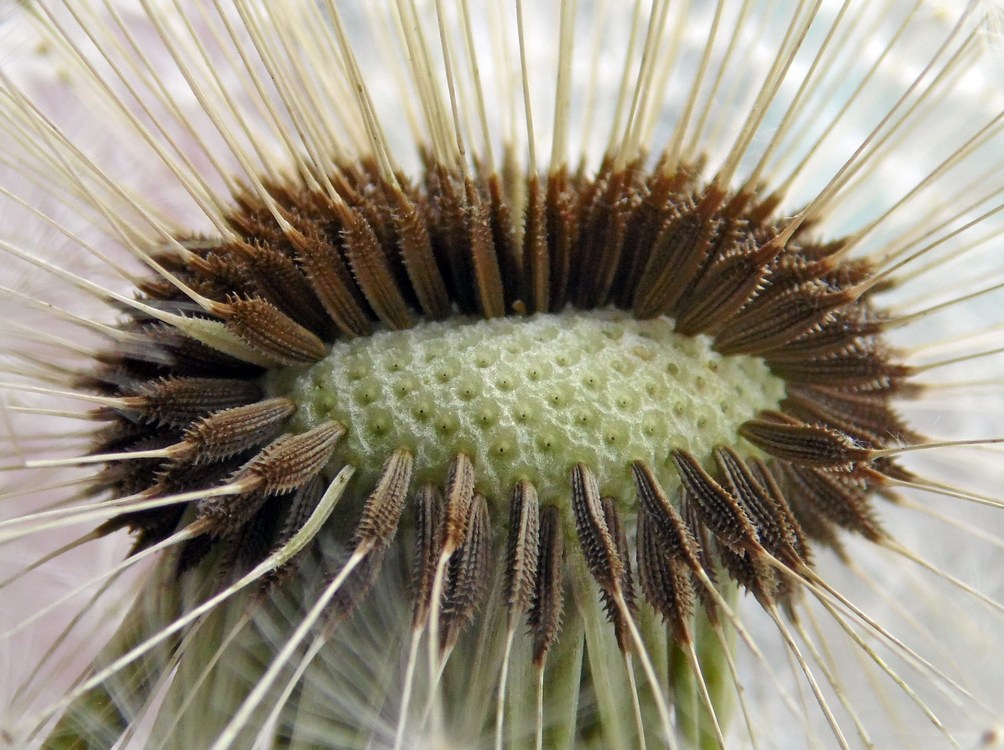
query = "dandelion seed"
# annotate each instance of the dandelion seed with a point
(477, 374)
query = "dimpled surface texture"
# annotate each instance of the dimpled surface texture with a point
(529, 397)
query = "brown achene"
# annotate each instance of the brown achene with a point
(369, 253)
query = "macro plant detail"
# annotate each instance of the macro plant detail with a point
(466, 435)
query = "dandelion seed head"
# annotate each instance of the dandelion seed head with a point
(308, 272)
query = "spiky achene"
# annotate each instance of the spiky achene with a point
(365, 254)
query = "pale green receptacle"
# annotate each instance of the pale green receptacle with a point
(527, 398)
